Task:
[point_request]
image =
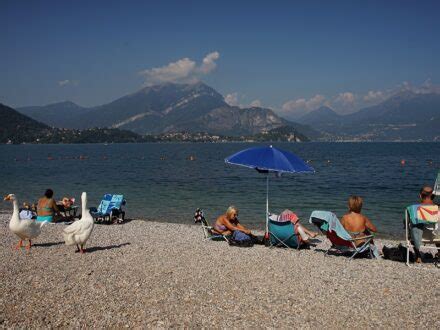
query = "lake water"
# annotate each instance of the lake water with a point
(161, 183)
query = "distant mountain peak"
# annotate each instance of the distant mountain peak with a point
(173, 86)
(66, 103)
(402, 96)
(321, 115)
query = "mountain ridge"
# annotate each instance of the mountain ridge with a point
(172, 107)
(403, 116)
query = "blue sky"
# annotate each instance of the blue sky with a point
(288, 55)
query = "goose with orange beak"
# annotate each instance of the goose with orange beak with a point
(25, 229)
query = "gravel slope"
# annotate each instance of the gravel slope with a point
(154, 274)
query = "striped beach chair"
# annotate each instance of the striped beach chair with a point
(341, 241)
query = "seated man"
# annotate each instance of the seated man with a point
(356, 224)
(426, 198)
(227, 223)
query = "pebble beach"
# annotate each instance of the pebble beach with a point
(160, 275)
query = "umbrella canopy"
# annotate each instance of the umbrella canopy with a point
(269, 159)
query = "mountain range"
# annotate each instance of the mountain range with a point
(166, 108)
(171, 107)
(404, 116)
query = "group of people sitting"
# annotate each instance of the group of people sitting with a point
(228, 224)
(354, 222)
(47, 208)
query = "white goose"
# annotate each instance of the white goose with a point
(79, 232)
(25, 229)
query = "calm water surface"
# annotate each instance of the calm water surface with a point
(161, 183)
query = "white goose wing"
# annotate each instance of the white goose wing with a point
(78, 227)
(30, 228)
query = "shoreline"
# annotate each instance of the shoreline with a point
(158, 274)
(260, 228)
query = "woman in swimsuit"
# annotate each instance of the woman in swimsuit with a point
(354, 222)
(47, 207)
(228, 222)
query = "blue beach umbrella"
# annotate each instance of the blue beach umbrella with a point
(269, 159)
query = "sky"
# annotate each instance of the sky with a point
(291, 56)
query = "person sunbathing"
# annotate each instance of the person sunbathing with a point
(227, 223)
(354, 222)
(304, 233)
(47, 207)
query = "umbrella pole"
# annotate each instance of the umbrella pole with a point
(267, 203)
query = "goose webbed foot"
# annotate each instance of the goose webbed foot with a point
(28, 247)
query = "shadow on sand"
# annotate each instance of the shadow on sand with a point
(47, 244)
(109, 247)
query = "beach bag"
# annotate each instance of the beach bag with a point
(397, 253)
(241, 239)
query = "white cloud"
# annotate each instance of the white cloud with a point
(255, 103)
(345, 103)
(348, 102)
(184, 70)
(63, 82)
(66, 82)
(209, 64)
(425, 88)
(232, 99)
(374, 96)
(345, 98)
(236, 100)
(302, 106)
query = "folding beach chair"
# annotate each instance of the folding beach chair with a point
(282, 234)
(341, 240)
(109, 210)
(208, 231)
(427, 217)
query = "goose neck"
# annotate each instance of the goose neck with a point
(15, 205)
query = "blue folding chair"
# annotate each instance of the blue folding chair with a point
(282, 234)
(109, 210)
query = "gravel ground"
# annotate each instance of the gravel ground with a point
(151, 274)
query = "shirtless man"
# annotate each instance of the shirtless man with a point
(426, 198)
